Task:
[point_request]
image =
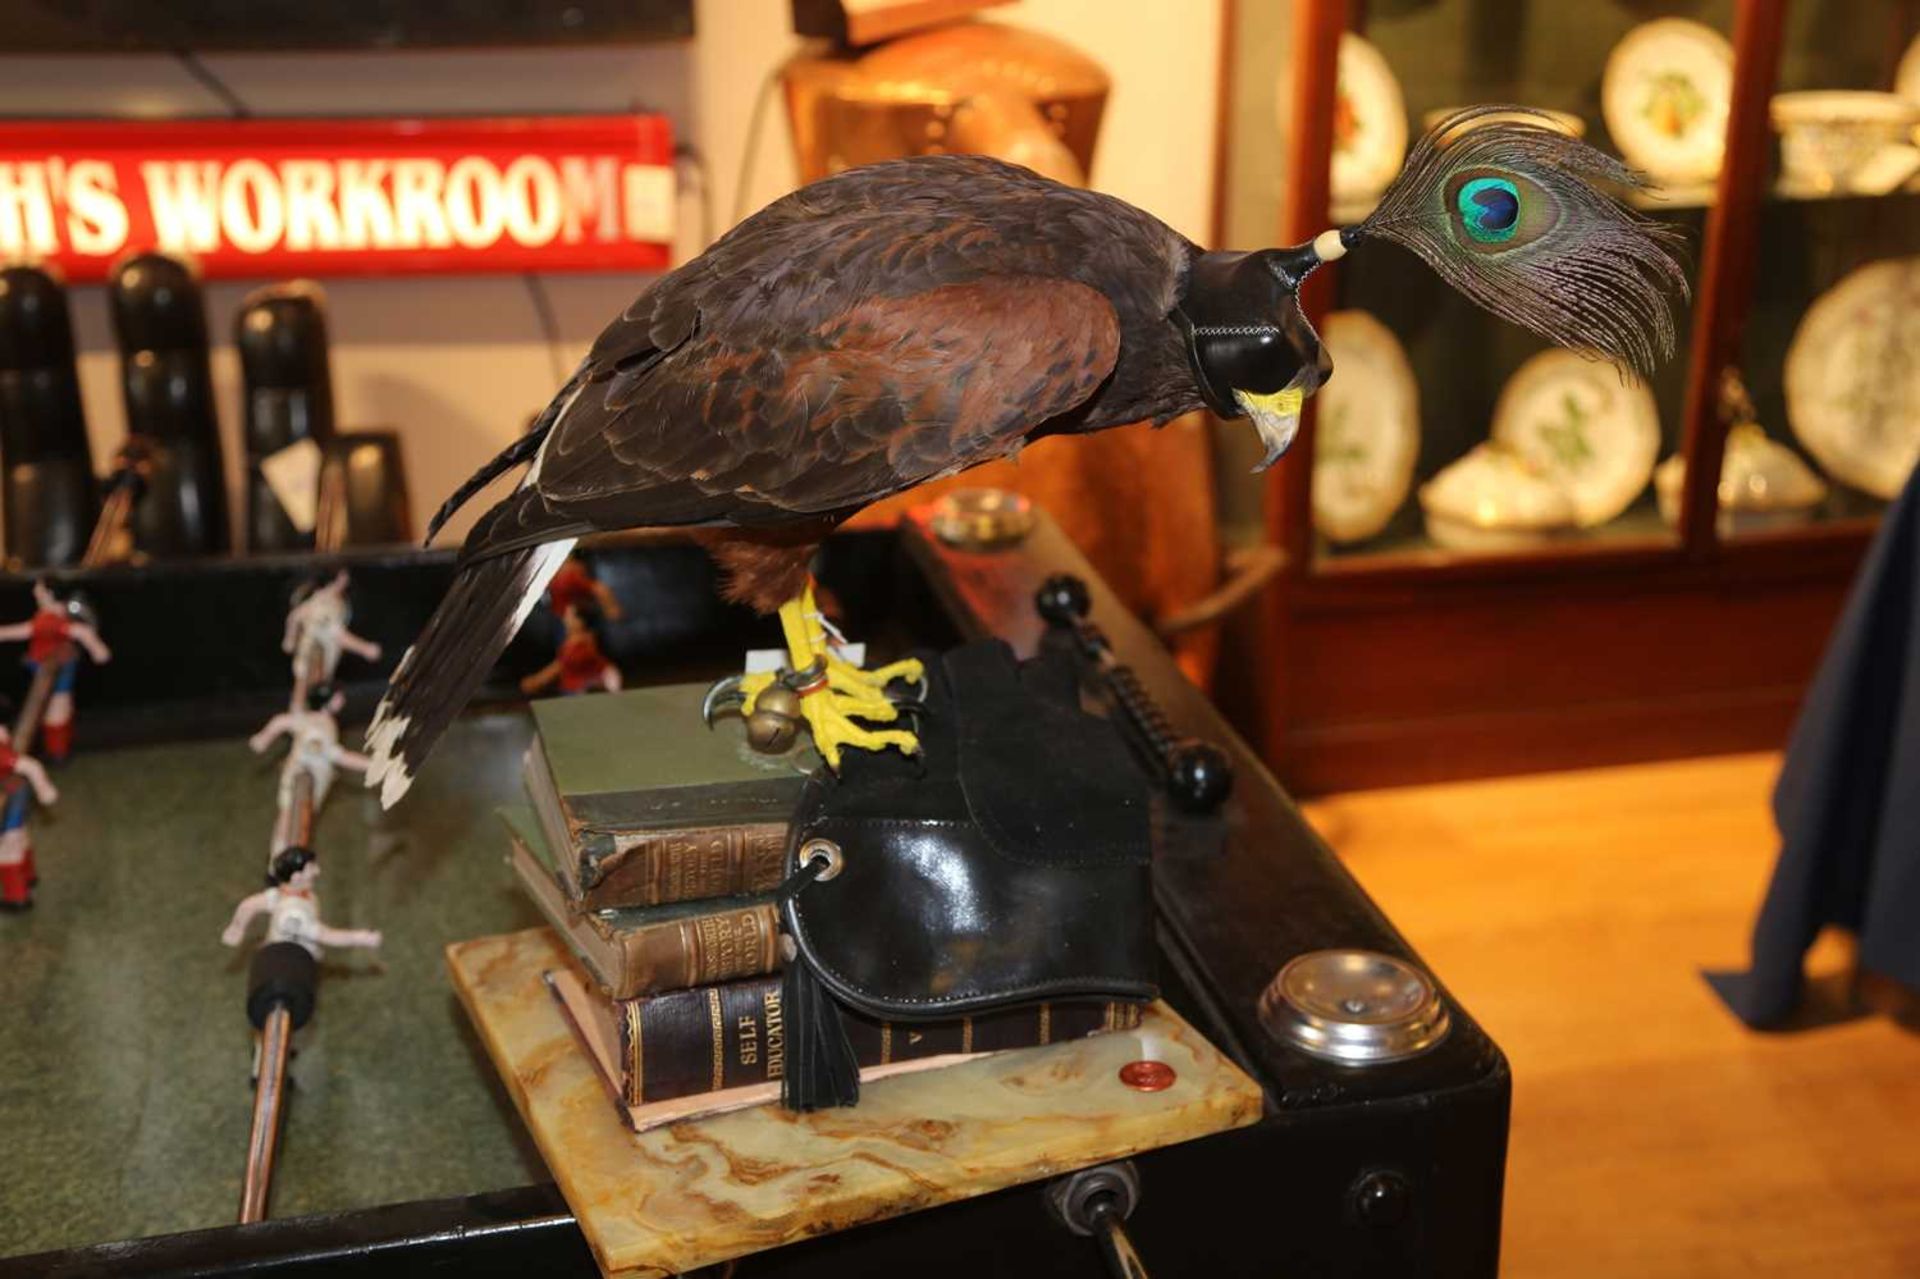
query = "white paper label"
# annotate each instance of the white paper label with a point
(294, 476)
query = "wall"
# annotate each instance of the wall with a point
(458, 364)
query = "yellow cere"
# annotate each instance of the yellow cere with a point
(1285, 403)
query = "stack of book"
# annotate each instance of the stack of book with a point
(653, 847)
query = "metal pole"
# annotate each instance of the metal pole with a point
(107, 529)
(300, 831)
(309, 670)
(268, 1093)
(38, 694)
(276, 1039)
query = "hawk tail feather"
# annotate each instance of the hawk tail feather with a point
(484, 608)
(521, 450)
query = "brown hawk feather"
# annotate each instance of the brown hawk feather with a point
(868, 332)
(859, 336)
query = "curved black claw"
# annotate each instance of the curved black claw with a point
(724, 698)
(915, 696)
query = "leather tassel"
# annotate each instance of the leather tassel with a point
(821, 1069)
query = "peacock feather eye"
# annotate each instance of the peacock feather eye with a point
(1489, 209)
(1493, 211)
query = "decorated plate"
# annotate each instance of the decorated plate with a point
(1367, 429)
(1494, 499)
(1906, 80)
(1564, 121)
(1853, 377)
(1369, 123)
(1577, 421)
(1665, 95)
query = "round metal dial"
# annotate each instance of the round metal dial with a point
(1358, 1007)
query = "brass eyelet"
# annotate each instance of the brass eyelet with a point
(823, 850)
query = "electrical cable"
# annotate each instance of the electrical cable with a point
(691, 157)
(212, 83)
(755, 126)
(549, 325)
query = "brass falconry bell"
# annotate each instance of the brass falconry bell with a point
(774, 725)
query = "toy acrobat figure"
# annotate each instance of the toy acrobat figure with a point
(317, 632)
(315, 752)
(574, 582)
(286, 967)
(581, 665)
(292, 909)
(22, 773)
(54, 635)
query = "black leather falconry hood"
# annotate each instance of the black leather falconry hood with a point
(1245, 330)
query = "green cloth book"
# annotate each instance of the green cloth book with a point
(646, 805)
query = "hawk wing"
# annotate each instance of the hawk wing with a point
(804, 382)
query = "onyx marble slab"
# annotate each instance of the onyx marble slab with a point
(701, 1191)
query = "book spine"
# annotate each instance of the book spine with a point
(732, 1035)
(700, 950)
(536, 775)
(660, 867)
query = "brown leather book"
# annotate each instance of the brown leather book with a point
(644, 805)
(731, 1037)
(635, 952)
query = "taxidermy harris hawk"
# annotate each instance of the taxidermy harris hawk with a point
(900, 322)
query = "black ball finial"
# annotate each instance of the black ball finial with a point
(1199, 776)
(1062, 599)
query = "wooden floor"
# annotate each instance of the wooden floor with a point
(1653, 1135)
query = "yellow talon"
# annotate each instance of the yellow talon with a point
(850, 693)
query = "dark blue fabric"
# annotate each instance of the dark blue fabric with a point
(1848, 799)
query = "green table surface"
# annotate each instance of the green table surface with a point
(124, 1044)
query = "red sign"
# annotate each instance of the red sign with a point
(341, 197)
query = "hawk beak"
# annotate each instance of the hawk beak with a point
(1276, 415)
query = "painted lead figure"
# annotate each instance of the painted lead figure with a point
(576, 582)
(317, 633)
(315, 752)
(293, 910)
(55, 635)
(22, 780)
(283, 986)
(581, 665)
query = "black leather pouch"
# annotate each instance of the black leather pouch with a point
(1010, 862)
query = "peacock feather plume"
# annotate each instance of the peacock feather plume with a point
(1512, 213)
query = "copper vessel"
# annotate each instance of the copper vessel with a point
(973, 87)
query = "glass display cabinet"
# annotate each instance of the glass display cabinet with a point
(1502, 557)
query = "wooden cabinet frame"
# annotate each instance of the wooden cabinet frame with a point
(1386, 669)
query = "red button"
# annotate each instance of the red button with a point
(1147, 1076)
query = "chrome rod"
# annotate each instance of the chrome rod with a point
(1115, 1247)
